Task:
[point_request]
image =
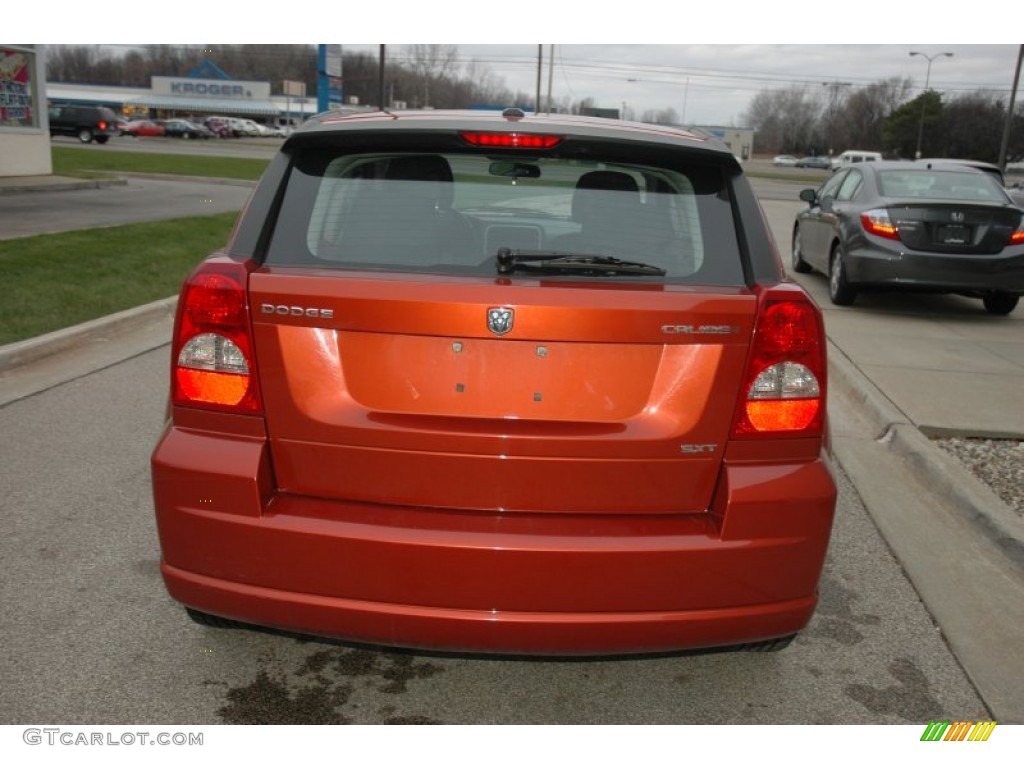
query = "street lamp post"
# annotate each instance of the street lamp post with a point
(924, 100)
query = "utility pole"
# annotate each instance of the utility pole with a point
(924, 98)
(834, 88)
(1009, 113)
(540, 70)
(686, 96)
(380, 80)
(551, 72)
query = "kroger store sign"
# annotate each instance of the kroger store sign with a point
(220, 89)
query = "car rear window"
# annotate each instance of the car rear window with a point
(940, 185)
(452, 212)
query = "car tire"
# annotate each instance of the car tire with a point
(209, 620)
(84, 135)
(839, 290)
(799, 265)
(102, 139)
(1000, 302)
(769, 646)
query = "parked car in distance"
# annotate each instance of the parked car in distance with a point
(498, 382)
(186, 130)
(250, 127)
(784, 160)
(141, 128)
(219, 128)
(913, 227)
(813, 162)
(232, 123)
(854, 156)
(87, 123)
(1016, 193)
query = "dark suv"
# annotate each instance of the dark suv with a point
(87, 123)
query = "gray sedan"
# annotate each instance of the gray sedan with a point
(908, 226)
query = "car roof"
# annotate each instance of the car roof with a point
(577, 125)
(981, 165)
(913, 165)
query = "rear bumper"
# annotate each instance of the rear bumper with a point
(938, 272)
(436, 579)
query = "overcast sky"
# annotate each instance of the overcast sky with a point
(715, 83)
(712, 57)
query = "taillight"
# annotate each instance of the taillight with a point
(783, 391)
(511, 140)
(213, 359)
(1017, 236)
(877, 222)
(102, 125)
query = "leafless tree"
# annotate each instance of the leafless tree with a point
(787, 120)
(432, 64)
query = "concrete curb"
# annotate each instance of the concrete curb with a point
(179, 177)
(934, 468)
(961, 490)
(959, 544)
(23, 352)
(877, 409)
(67, 184)
(60, 186)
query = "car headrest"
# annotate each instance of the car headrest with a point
(585, 203)
(432, 168)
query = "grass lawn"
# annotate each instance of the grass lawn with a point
(54, 281)
(71, 161)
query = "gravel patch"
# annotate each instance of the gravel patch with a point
(997, 463)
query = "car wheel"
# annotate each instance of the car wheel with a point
(839, 289)
(84, 135)
(209, 620)
(102, 139)
(799, 265)
(1000, 303)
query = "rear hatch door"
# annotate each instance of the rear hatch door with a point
(490, 394)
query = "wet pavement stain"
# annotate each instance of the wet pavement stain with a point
(415, 720)
(836, 619)
(910, 699)
(268, 701)
(323, 685)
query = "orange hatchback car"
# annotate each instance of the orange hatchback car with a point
(498, 382)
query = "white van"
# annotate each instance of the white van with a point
(851, 156)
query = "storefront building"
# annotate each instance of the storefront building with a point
(189, 97)
(24, 130)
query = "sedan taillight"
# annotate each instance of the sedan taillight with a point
(877, 222)
(1017, 236)
(213, 363)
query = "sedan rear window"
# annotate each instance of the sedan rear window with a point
(940, 185)
(453, 213)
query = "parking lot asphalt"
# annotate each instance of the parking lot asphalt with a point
(900, 374)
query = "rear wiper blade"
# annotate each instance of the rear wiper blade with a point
(553, 261)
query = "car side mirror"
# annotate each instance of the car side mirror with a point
(809, 196)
